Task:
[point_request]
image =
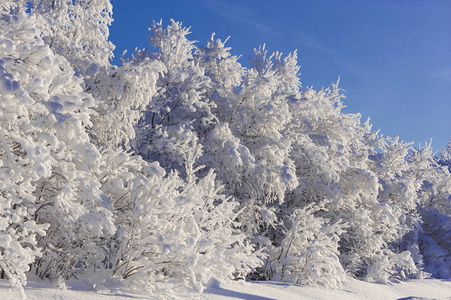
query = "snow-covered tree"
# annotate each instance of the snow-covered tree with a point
(445, 156)
(259, 119)
(224, 150)
(178, 115)
(122, 97)
(332, 152)
(45, 114)
(77, 30)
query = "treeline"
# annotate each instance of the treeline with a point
(182, 166)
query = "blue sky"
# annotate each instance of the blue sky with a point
(393, 57)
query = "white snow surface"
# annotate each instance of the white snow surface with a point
(425, 289)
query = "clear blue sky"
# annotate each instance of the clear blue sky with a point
(393, 56)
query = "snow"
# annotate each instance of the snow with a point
(219, 177)
(425, 289)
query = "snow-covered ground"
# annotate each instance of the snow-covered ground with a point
(352, 289)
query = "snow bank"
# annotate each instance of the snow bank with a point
(352, 289)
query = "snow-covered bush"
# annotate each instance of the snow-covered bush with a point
(172, 229)
(435, 243)
(434, 191)
(309, 252)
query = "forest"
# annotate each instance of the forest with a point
(181, 166)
